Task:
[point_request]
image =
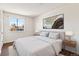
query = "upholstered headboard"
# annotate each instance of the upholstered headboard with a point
(61, 33)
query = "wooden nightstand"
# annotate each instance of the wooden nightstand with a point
(71, 44)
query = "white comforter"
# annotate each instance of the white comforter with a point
(37, 46)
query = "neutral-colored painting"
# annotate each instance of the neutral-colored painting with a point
(54, 22)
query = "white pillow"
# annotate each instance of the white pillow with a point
(54, 35)
(44, 34)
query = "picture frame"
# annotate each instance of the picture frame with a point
(54, 22)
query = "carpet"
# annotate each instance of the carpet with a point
(10, 51)
(5, 52)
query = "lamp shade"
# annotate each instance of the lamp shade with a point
(69, 33)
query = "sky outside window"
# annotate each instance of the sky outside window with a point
(16, 21)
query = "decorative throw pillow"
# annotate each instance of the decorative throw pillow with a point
(54, 35)
(44, 34)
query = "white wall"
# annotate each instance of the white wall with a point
(39, 19)
(71, 16)
(10, 36)
(71, 19)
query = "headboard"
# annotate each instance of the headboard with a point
(61, 33)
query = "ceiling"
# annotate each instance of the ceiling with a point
(29, 9)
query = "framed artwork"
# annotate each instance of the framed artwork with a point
(54, 22)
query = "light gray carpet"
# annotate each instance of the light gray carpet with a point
(4, 52)
(10, 51)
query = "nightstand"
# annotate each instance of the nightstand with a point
(71, 44)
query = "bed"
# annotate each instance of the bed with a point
(37, 46)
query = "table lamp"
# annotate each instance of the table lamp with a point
(68, 34)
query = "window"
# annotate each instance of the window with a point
(16, 24)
